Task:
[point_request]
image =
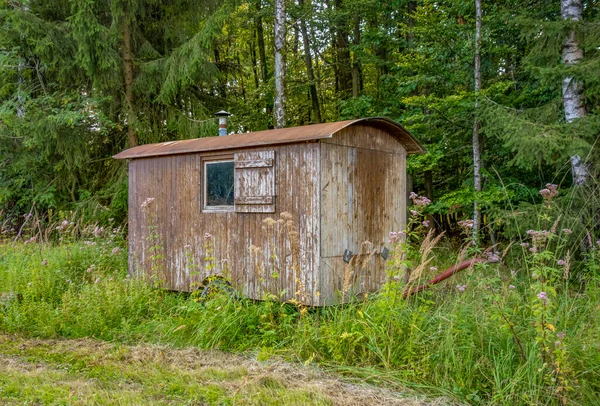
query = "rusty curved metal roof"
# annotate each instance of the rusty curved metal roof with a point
(270, 137)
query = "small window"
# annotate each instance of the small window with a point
(218, 185)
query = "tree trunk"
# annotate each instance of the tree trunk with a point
(262, 54)
(476, 146)
(279, 104)
(132, 137)
(342, 50)
(571, 10)
(260, 38)
(312, 87)
(355, 62)
(254, 63)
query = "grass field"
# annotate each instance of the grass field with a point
(93, 372)
(520, 330)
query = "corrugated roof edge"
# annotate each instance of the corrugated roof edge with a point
(269, 137)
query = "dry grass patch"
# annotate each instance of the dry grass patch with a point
(92, 372)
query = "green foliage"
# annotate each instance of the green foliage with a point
(522, 331)
(63, 111)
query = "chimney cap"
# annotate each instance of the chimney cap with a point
(222, 113)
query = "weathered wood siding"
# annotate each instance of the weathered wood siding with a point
(260, 252)
(363, 189)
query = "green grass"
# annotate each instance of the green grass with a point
(87, 371)
(463, 345)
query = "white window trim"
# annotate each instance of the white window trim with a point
(217, 209)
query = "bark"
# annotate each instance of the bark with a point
(128, 68)
(279, 104)
(342, 50)
(476, 144)
(356, 79)
(312, 87)
(262, 54)
(260, 38)
(254, 63)
(572, 10)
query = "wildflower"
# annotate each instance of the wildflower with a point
(68, 281)
(492, 257)
(44, 262)
(524, 244)
(207, 236)
(461, 288)
(567, 230)
(396, 236)
(561, 262)
(513, 273)
(419, 200)
(115, 250)
(511, 286)
(97, 280)
(110, 220)
(561, 335)
(534, 275)
(549, 192)
(98, 231)
(543, 296)
(533, 249)
(426, 223)
(414, 213)
(433, 268)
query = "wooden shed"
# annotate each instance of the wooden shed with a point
(302, 213)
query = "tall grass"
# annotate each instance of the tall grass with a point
(488, 336)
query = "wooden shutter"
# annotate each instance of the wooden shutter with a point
(254, 174)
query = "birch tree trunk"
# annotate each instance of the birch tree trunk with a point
(572, 10)
(128, 68)
(279, 105)
(476, 146)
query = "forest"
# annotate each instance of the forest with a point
(504, 95)
(83, 80)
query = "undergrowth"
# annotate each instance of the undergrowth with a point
(521, 331)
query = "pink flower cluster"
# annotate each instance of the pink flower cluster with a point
(419, 200)
(538, 237)
(492, 257)
(549, 192)
(461, 288)
(397, 236)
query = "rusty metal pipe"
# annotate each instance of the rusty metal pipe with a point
(441, 277)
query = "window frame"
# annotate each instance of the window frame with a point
(213, 160)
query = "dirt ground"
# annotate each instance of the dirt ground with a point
(86, 372)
